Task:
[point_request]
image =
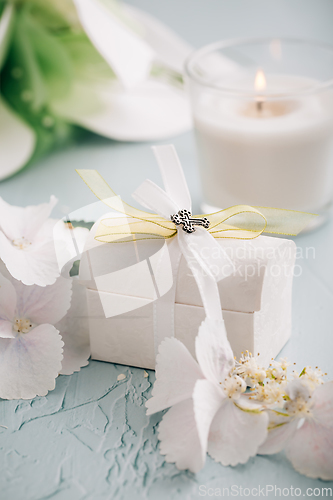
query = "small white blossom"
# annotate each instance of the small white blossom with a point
(313, 377)
(284, 363)
(247, 368)
(298, 393)
(270, 393)
(233, 387)
(277, 370)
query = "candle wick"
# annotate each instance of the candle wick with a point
(260, 103)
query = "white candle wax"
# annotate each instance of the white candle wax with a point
(278, 154)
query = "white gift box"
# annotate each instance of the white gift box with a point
(122, 286)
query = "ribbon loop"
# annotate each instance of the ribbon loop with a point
(173, 176)
(153, 197)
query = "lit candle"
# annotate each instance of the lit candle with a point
(260, 86)
(274, 148)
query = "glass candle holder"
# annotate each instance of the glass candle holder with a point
(263, 118)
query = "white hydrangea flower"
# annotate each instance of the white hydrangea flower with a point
(304, 428)
(31, 348)
(35, 248)
(209, 411)
(26, 243)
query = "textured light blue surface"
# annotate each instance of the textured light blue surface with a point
(90, 438)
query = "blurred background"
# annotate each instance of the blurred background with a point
(126, 164)
(201, 22)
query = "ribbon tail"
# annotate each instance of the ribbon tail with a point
(285, 222)
(201, 270)
(164, 307)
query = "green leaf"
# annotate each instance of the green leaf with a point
(47, 64)
(87, 63)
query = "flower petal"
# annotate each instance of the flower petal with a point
(34, 266)
(311, 448)
(7, 307)
(30, 363)
(129, 55)
(24, 222)
(153, 110)
(74, 329)
(281, 428)
(235, 434)
(323, 404)
(176, 375)
(207, 399)
(14, 132)
(171, 50)
(69, 244)
(179, 440)
(7, 299)
(47, 304)
(213, 350)
(6, 329)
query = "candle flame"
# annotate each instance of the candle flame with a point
(260, 81)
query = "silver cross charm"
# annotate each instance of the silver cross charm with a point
(188, 223)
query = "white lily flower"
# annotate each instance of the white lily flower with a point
(27, 243)
(13, 130)
(150, 111)
(142, 103)
(110, 68)
(305, 428)
(31, 348)
(209, 411)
